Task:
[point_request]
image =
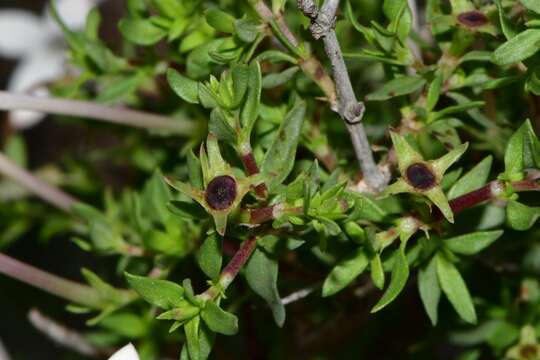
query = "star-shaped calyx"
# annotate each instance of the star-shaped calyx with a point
(422, 177)
(222, 191)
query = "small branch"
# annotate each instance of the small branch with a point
(232, 269)
(62, 335)
(349, 108)
(78, 108)
(299, 294)
(40, 188)
(309, 64)
(66, 289)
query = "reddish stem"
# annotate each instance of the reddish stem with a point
(471, 199)
(248, 160)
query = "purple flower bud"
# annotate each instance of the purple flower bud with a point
(472, 19)
(221, 192)
(420, 176)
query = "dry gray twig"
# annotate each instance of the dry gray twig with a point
(349, 108)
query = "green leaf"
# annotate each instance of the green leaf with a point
(250, 109)
(141, 31)
(220, 127)
(377, 271)
(125, 324)
(434, 91)
(345, 272)
(472, 180)
(184, 87)
(275, 80)
(518, 48)
(400, 274)
(472, 243)
(279, 159)
(520, 216)
(161, 293)
(400, 17)
(532, 5)
(261, 274)
(219, 320)
(220, 20)
(397, 87)
(519, 150)
(240, 75)
(199, 338)
(430, 290)
(210, 256)
(247, 29)
(455, 289)
(506, 25)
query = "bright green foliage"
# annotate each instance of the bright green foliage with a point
(201, 235)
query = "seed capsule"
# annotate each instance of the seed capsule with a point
(420, 176)
(221, 192)
(472, 19)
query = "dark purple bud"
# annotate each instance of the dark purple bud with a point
(221, 192)
(472, 19)
(420, 176)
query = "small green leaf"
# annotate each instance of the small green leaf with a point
(240, 75)
(472, 243)
(247, 29)
(250, 109)
(345, 272)
(125, 324)
(434, 91)
(506, 25)
(400, 274)
(184, 87)
(377, 271)
(220, 20)
(455, 289)
(472, 180)
(261, 274)
(279, 159)
(430, 290)
(220, 127)
(520, 216)
(210, 256)
(141, 31)
(275, 80)
(161, 293)
(199, 338)
(397, 87)
(532, 5)
(219, 320)
(518, 48)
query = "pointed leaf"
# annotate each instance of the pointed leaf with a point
(345, 272)
(406, 154)
(400, 274)
(184, 87)
(430, 290)
(261, 274)
(455, 289)
(219, 320)
(161, 293)
(279, 159)
(438, 198)
(442, 164)
(210, 256)
(518, 48)
(520, 216)
(473, 179)
(472, 243)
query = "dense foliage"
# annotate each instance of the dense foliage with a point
(258, 178)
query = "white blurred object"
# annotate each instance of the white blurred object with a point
(39, 45)
(3, 352)
(128, 352)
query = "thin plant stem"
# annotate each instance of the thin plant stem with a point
(90, 110)
(232, 269)
(349, 108)
(66, 289)
(51, 194)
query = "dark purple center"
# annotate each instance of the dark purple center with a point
(221, 192)
(420, 176)
(472, 18)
